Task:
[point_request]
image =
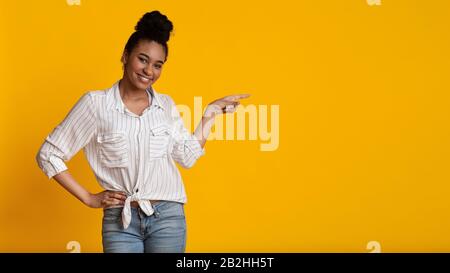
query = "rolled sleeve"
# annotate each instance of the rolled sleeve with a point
(72, 134)
(187, 149)
(51, 166)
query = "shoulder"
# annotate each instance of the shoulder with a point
(167, 103)
(96, 93)
(96, 97)
(91, 100)
(165, 100)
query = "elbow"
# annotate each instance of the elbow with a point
(43, 163)
(186, 158)
(40, 158)
(187, 164)
(49, 163)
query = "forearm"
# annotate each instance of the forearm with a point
(66, 180)
(204, 128)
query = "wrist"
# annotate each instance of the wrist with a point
(207, 117)
(211, 111)
(87, 200)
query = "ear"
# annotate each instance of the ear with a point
(124, 57)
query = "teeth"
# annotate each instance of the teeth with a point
(143, 78)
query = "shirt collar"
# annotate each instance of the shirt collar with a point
(115, 101)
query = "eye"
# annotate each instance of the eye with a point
(158, 66)
(143, 60)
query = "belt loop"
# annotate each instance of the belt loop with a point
(156, 212)
(139, 212)
(142, 221)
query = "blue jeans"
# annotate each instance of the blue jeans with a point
(163, 231)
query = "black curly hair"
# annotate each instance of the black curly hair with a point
(153, 26)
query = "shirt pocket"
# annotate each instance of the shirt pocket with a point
(159, 142)
(114, 151)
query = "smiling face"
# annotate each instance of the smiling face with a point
(143, 65)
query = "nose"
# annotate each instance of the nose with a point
(148, 71)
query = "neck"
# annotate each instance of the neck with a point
(128, 91)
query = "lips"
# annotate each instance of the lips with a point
(143, 78)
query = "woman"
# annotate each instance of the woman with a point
(132, 136)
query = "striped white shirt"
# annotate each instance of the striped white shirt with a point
(129, 153)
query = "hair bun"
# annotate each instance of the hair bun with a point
(155, 25)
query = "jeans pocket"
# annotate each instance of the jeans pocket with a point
(112, 215)
(171, 210)
(113, 149)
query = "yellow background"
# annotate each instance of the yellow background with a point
(364, 120)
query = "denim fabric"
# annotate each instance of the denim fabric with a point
(164, 231)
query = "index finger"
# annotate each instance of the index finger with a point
(120, 193)
(239, 96)
(119, 196)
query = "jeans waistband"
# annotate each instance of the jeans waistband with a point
(135, 204)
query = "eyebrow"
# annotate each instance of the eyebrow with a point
(148, 57)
